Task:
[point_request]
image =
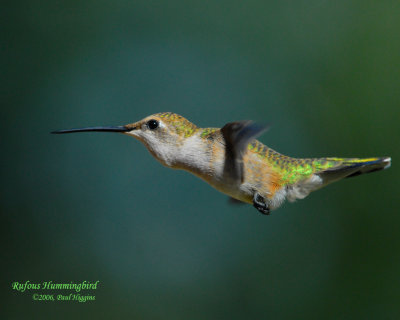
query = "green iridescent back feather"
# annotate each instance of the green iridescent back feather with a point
(208, 133)
(290, 169)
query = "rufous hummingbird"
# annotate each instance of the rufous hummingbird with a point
(233, 162)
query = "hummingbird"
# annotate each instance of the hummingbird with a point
(232, 161)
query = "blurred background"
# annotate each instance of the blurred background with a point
(162, 243)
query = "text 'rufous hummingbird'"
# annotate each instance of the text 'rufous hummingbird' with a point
(233, 162)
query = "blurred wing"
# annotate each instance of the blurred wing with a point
(237, 136)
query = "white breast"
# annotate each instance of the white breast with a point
(194, 155)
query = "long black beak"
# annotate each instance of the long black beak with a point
(100, 129)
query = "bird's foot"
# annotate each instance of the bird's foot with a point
(260, 203)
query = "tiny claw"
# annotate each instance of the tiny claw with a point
(260, 203)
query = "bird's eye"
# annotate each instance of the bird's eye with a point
(152, 124)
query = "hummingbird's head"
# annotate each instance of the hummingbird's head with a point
(163, 134)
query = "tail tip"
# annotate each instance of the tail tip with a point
(387, 161)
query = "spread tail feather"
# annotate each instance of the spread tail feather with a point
(351, 167)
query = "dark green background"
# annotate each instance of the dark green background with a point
(163, 244)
